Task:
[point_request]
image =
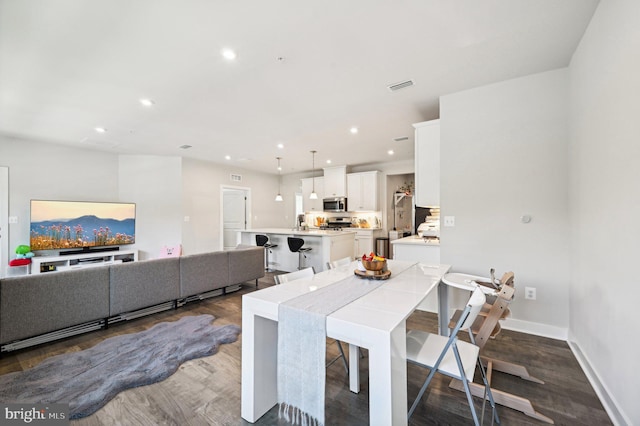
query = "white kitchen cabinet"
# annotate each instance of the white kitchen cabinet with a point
(362, 191)
(307, 187)
(335, 181)
(427, 167)
(364, 242)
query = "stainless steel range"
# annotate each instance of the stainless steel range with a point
(337, 223)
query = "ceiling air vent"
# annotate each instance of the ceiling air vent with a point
(401, 138)
(401, 85)
(236, 178)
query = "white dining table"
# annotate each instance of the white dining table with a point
(375, 321)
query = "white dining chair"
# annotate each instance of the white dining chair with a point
(450, 356)
(295, 275)
(340, 262)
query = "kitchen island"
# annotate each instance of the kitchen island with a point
(326, 246)
(418, 249)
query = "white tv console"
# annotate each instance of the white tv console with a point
(46, 264)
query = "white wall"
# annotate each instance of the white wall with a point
(154, 183)
(53, 172)
(165, 189)
(4, 220)
(504, 155)
(201, 201)
(605, 203)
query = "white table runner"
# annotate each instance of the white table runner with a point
(302, 345)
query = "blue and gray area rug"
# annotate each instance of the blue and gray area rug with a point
(88, 379)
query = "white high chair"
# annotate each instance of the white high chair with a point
(487, 326)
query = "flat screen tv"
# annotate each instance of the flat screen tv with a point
(59, 225)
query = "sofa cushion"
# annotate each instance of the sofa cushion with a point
(137, 285)
(204, 272)
(35, 304)
(246, 263)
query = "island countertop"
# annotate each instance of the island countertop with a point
(309, 233)
(325, 246)
(415, 240)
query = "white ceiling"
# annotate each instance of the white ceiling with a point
(306, 72)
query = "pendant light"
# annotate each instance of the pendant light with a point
(279, 197)
(313, 195)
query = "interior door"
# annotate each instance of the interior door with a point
(234, 216)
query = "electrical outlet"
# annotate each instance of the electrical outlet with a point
(449, 221)
(13, 219)
(530, 293)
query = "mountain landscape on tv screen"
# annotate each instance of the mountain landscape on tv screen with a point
(83, 231)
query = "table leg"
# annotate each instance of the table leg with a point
(388, 378)
(354, 368)
(259, 365)
(443, 309)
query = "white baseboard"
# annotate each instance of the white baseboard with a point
(618, 418)
(535, 328)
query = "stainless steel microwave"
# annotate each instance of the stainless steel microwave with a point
(336, 204)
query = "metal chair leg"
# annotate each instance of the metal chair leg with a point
(342, 355)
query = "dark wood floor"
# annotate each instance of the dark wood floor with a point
(206, 391)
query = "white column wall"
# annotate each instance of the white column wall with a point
(154, 183)
(605, 204)
(504, 155)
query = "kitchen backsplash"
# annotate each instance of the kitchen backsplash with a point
(359, 220)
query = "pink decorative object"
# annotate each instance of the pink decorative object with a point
(171, 251)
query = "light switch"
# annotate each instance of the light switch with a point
(187, 218)
(449, 221)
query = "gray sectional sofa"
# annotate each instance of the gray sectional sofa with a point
(44, 307)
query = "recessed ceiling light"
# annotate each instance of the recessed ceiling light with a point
(228, 54)
(227, 157)
(147, 102)
(100, 130)
(328, 161)
(185, 146)
(280, 146)
(390, 152)
(354, 130)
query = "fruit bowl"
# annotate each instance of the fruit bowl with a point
(374, 265)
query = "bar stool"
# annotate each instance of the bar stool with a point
(263, 240)
(295, 245)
